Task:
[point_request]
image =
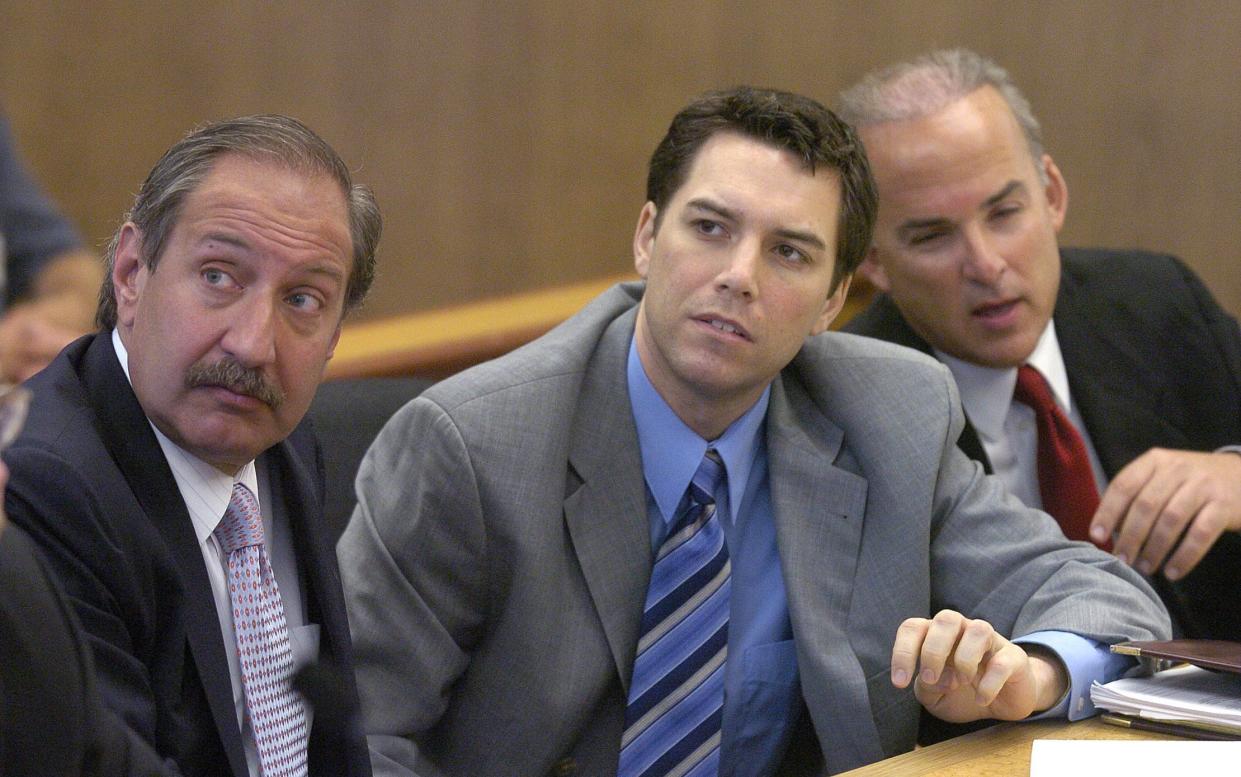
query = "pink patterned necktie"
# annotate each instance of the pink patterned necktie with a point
(277, 713)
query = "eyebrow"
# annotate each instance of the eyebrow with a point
(1003, 194)
(809, 238)
(223, 237)
(327, 269)
(915, 225)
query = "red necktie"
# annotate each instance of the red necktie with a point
(1065, 480)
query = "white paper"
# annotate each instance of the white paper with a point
(1185, 693)
(1133, 758)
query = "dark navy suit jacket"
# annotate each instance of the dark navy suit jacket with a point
(91, 486)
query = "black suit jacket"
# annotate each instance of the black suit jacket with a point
(1152, 361)
(90, 484)
(52, 722)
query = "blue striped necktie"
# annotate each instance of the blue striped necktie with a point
(676, 698)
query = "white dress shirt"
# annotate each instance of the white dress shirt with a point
(206, 492)
(1007, 429)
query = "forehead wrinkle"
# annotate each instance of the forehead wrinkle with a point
(244, 228)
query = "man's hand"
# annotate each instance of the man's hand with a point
(969, 672)
(1168, 499)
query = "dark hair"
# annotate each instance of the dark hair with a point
(275, 138)
(787, 121)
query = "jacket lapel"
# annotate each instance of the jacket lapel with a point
(883, 320)
(605, 502)
(128, 435)
(1119, 404)
(819, 509)
(295, 474)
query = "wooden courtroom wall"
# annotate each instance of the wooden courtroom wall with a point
(507, 141)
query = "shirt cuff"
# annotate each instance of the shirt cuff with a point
(1086, 661)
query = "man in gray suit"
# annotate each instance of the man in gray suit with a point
(688, 533)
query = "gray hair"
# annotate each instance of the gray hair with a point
(274, 138)
(919, 87)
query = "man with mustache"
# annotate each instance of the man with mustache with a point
(1143, 365)
(688, 532)
(164, 470)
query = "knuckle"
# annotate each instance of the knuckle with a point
(978, 628)
(911, 626)
(1163, 534)
(1204, 530)
(1144, 505)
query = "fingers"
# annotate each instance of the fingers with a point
(947, 650)
(1206, 528)
(1131, 504)
(1003, 667)
(1152, 518)
(1114, 505)
(907, 648)
(1168, 497)
(964, 670)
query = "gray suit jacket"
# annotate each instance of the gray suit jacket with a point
(498, 559)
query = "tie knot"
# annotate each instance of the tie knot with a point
(242, 524)
(1032, 389)
(707, 478)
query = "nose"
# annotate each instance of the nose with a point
(740, 275)
(982, 263)
(251, 334)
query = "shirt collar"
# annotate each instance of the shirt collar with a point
(671, 451)
(987, 392)
(205, 489)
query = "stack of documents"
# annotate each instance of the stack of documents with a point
(1202, 700)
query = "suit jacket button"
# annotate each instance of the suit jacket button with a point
(565, 767)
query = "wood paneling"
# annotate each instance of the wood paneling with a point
(507, 141)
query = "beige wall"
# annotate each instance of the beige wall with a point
(507, 140)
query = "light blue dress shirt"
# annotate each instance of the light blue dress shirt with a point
(761, 692)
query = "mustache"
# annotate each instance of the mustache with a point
(230, 374)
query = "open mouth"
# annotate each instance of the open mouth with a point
(725, 326)
(996, 312)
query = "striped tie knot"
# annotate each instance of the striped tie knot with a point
(242, 524)
(706, 480)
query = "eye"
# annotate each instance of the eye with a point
(791, 253)
(304, 301)
(926, 238)
(215, 276)
(1005, 211)
(708, 227)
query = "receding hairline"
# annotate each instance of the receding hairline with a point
(927, 84)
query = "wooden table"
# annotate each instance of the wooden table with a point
(999, 751)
